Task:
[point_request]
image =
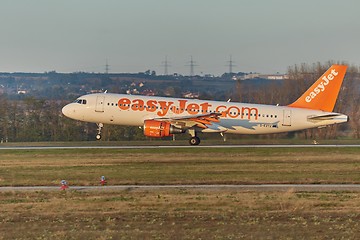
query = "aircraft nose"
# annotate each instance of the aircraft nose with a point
(67, 110)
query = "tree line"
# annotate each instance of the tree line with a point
(32, 119)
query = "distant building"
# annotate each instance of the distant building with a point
(250, 76)
(148, 92)
(21, 92)
(246, 76)
(190, 95)
(96, 91)
(275, 76)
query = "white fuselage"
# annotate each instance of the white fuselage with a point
(240, 118)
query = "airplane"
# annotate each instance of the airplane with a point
(165, 116)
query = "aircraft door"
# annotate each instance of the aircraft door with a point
(100, 102)
(287, 118)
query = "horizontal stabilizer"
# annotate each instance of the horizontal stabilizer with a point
(337, 117)
(324, 117)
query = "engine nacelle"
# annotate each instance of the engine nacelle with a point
(158, 129)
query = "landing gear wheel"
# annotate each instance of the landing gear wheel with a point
(194, 141)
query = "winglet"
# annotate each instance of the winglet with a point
(323, 93)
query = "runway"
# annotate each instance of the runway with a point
(175, 146)
(260, 187)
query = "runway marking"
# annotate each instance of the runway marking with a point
(259, 187)
(159, 147)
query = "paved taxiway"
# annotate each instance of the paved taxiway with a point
(260, 187)
(159, 147)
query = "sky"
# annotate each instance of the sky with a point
(265, 36)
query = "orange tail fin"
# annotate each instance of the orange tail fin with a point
(323, 93)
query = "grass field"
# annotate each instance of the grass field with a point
(180, 166)
(179, 213)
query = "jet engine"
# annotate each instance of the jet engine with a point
(158, 129)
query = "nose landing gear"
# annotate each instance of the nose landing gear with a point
(100, 126)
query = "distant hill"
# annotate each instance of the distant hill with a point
(67, 86)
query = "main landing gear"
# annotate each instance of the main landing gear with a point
(194, 140)
(100, 126)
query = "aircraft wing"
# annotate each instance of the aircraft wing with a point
(199, 120)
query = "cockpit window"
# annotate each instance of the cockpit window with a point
(80, 101)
